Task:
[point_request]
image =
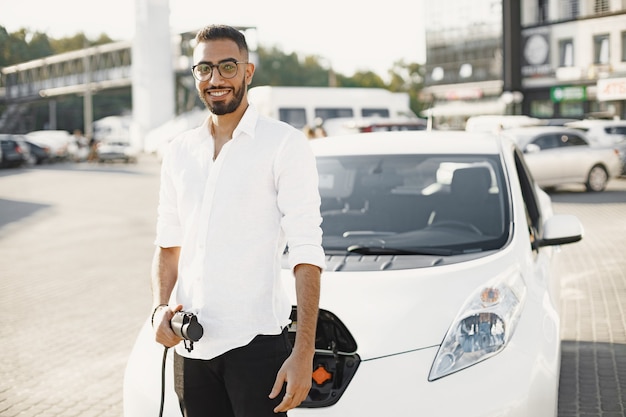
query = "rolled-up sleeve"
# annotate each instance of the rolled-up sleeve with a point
(299, 202)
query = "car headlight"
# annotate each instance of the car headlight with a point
(483, 326)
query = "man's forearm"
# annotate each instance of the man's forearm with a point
(308, 294)
(164, 274)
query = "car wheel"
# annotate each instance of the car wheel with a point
(597, 179)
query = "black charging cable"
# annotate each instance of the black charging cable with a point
(163, 381)
(184, 325)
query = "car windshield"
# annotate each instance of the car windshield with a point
(413, 204)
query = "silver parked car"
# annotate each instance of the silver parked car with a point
(605, 132)
(559, 156)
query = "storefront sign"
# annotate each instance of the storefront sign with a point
(568, 93)
(610, 89)
(536, 52)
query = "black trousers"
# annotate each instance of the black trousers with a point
(235, 384)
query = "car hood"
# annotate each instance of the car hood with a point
(391, 312)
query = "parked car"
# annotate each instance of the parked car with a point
(57, 140)
(109, 151)
(39, 154)
(439, 292)
(605, 133)
(348, 125)
(15, 151)
(560, 156)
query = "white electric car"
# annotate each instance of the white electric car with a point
(440, 295)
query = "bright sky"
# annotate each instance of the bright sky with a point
(352, 34)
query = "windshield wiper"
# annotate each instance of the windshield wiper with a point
(381, 250)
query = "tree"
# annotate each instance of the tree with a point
(13, 48)
(78, 41)
(366, 79)
(39, 46)
(279, 68)
(408, 77)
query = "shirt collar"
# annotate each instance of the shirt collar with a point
(248, 122)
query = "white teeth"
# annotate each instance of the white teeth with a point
(218, 93)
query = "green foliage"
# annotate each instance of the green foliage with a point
(24, 45)
(78, 41)
(277, 68)
(13, 47)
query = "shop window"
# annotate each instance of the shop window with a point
(465, 71)
(601, 49)
(569, 9)
(573, 109)
(601, 6)
(566, 53)
(437, 74)
(542, 11)
(542, 108)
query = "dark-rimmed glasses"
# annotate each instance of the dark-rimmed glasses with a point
(227, 69)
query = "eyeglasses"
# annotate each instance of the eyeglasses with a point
(227, 69)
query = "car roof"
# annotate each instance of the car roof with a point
(585, 124)
(408, 143)
(540, 129)
(536, 130)
(59, 133)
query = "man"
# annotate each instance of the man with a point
(234, 193)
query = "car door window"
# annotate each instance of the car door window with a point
(572, 139)
(549, 141)
(615, 130)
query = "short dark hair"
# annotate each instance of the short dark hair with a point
(215, 32)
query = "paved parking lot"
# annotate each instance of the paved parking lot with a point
(593, 306)
(75, 251)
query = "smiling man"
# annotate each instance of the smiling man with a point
(235, 192)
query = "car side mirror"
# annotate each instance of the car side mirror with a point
(532, 148)
(560, 229)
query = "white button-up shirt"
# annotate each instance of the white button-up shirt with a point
(232, 218)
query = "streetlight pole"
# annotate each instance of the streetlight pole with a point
(88, 98)
(511, 47)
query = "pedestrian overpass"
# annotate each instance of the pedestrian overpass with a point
(94, 68)
(82, 72)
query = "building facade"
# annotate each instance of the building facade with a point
(571, 59)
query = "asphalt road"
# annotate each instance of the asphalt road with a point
(75, 252)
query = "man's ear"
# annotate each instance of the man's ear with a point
(249, 73)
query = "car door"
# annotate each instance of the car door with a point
(541, 156)
(574, 157)
(562, 158)
(538, 207)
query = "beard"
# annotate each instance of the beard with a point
(221, 108)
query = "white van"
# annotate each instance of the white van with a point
(301, 106)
